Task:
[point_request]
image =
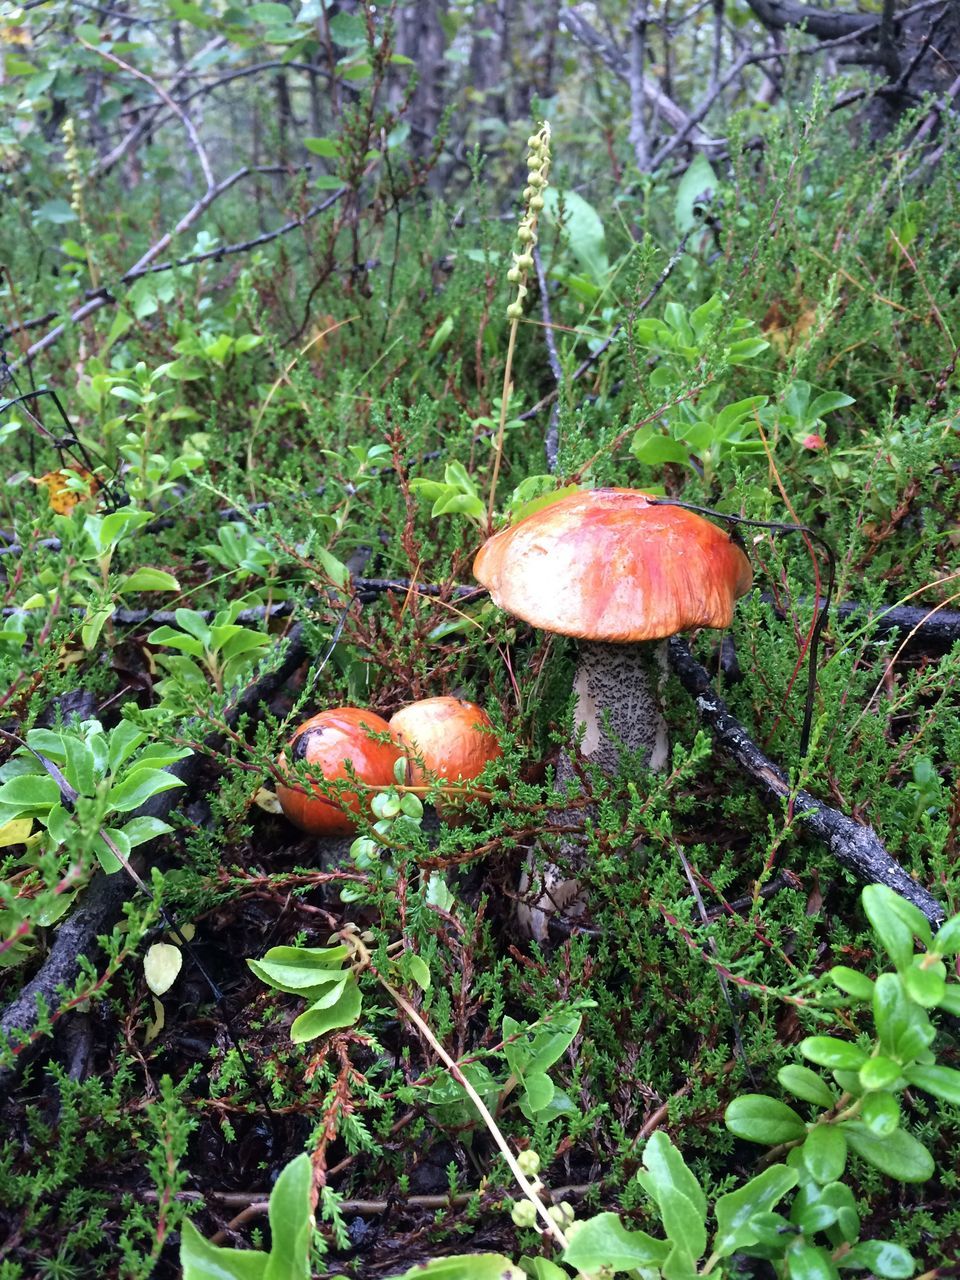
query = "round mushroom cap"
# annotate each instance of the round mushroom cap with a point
(329, 743)
(453, 737)
(612, 565)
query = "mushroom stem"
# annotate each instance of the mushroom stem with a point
(618, 701)
(618, 707)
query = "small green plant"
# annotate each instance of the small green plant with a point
(856, 1109)
(64, 797)
(217, 653)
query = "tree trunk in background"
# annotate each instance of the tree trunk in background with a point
(421, 37)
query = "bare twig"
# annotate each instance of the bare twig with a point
(189, 127)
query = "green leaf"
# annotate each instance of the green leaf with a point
(584, 230)
(699, 183)
(825, 1152)
(947, 941)
(828, 1051)
(58, 212)
(808, 1262)
(896, 922)
(140, 830)
(653, 448)
(32, 791)
(882, 1257)
(603, 1241)
(296, 969)
(828, 402)
(852, 982)
(879, 1073)
(735, 1210)
(899, 1155)
(93, 624)
(291, 1223)
(667, 1168)
(139, 786)
(925, 981)
(148, 579)
(201, 1260)
(419, 971)
(880, 1112)
(317, 1020)
(903, 1028)
(761, 1119)
(327, 182)
(538, 1091)
(806, 1084)
(348, 30)
(474, 1266)
(329, 148)
(942, 1082)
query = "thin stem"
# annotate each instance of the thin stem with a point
(523, 1182)
(504, 403)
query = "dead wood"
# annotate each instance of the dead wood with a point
(857, 848)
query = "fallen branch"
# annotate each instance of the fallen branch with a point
(855, 847)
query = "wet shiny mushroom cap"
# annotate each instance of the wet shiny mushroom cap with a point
(610, 565)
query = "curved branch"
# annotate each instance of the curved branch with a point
(825, 25)
(856, 847)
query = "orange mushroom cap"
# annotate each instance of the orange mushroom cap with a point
(328, 742)
(610, 565)
(454, 737)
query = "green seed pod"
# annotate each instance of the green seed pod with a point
(513, 275)
(514, 311)
(525, 234)
(536, 203)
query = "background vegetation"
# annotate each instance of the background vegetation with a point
(260, 254)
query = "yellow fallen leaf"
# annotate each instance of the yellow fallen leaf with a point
(17, 831)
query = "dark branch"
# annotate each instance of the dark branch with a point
(858, 849)
(825, 25)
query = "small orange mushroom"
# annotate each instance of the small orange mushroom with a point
(329, 742)
(454, 739)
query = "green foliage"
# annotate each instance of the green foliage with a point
(285, 417)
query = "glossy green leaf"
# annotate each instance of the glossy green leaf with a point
(806, 1084)
(298, 969)
(136, 788)
(942, 1082)
(884, 1258)
(899, 1155)
(291, 1223)
(828, 1051)
(925, 982)
(880, 1112)
(320, 1018)
(947, 941)
(825, 1152)
(201, 1260)
(735, 1210)
(584, 230)
(851, 981)
(879, 1073)
(603, 1241)
(808, 1262)
(761, 1119)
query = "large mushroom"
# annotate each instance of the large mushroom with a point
(620, 573)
